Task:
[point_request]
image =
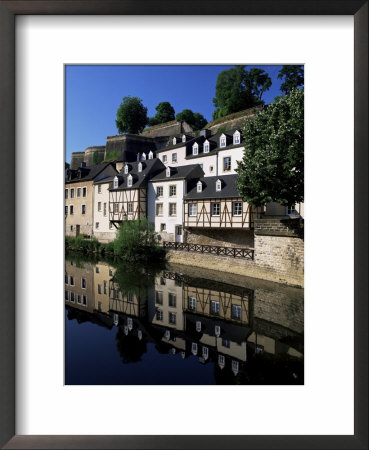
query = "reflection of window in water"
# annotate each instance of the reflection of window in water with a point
(116, 294)
(130, 297)
(110, 273)
(105, 287)
(66, 296)
(79, 299)
(192, 303)
(99, 306)
(205, 352)
(159, 297)
(177, 282)
(71, 280)
(84, 300)
(235, 367)
(66, 279)
(99, 289)
(83, 283)
(226, 342)
(214, 307)
(97, 269)
(163, 281)
(221, 361)
(159, 314)
(172, 318)
(194, 348)
(236, 312)
(172, 299)
(72, 297)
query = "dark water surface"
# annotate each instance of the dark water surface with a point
(181, 325)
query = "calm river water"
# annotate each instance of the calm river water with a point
(130, 325)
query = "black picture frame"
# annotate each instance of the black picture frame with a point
(8, 11)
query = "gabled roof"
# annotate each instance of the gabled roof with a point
(180, 173)
(150, 168)
(89, 173)
(229, 188)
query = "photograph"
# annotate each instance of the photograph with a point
(184, 224)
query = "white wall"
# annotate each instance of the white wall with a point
(103, 232)
(236, 154)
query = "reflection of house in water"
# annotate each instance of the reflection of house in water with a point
(131, 302)
(79, 285)
(102, 276)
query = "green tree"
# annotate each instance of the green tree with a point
(164, 113)
(293, 77)
(196, 120)
(131, 116)
(272, 168)
(238, 89)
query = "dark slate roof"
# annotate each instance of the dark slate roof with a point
(150, 168)
(180, 144)
(181, 172)
(229, 188)
(89, 173)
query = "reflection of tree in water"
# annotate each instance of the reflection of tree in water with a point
(129, 347)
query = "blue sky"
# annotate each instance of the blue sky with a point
(94, 93)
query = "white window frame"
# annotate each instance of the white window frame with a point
(183, 138)
(66, 192)
(83, 279)
(140, 167)
(206, 146)
(172, 318)
(159, 315)
(174, 141)
(192, 209)
(235, 212)
(167, 173)
(161, 190)
(213, 208)
(84, 188)
(79, 190)
(236, 137)
(71, 210)
(192, 303)
(83, 205)
(236, 312)
(223, 141)
(195, 149)
(163, 227)
(165, 158)
(71, 192)
(157, 207)
(130, 208)
(174, 188)
(151, 155)
(218, 185)
(99, 206)
(129, 180)
(229, 166)
(216, 310)
(115, 183)
(174, 157)
(126, 169)
(99, 188)
(199, 186)
(170, 212)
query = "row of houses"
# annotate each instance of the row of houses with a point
(187, 187)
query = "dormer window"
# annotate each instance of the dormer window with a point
(126, 169)
(199, 186)
(195, 149)
(223, 141)
(206, 146)
(168, 172)
(115, 183)
(184, 138)
(129, 181)
(151, 155)
(143, 157)
(218, 185)
(140, 167)
(174, 141)
(236, 137)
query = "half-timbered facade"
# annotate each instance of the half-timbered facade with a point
(214, 202)
(128, 190)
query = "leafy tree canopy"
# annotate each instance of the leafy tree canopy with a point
(196, 120)
(272, 168)
(293, 78)
(131, 116)
(237, 89)
(164, 113)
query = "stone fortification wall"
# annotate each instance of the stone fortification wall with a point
(76, 160)
(126, 146)
(236, 120)
(89, 154)
(173, 128)
(223, 238)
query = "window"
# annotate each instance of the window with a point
(163, 227)
(192, 303)
(78, 192)
(184, 138)
(66, 193)
(168, 172)
(291, 210)
(99, 206)
(84, 300)
(159, 314)
(99, 189)
(218, 185)
(72, 193)
(215, 209)
(66, 279)
(172, 209)
(83, 283)
(174, 141)
(116, 208)
(71, 228)
(130, 297)
(105, 287)
(151, 154)
(174, 157)
(97, 269)
(83, 208)
(79, 299)
(199, 186)
(227, 163)
(130, 208)
(129, 181)
(115, 183)
(97, 224)
(172, 318)
(165, 158)
(195, 149)
(66, 210)
(66, 295)
(172, 300)
(192, 209)
(211, 168)
(99, 288)
(71, 210)
(236, 312)
(126, 169)
(72, 297)
(235, 367)
(237, 208)
(236, 137)
(172, 191)
(104, 209)
(226, 342)
(159, 297)
(159, 191)
(214, 307)
(206, 147)
(221, 361)
(223, 141)
(84, 192)
(143, 157)
(159, 209)
(140, 167)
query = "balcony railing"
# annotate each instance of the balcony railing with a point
(235, 252)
